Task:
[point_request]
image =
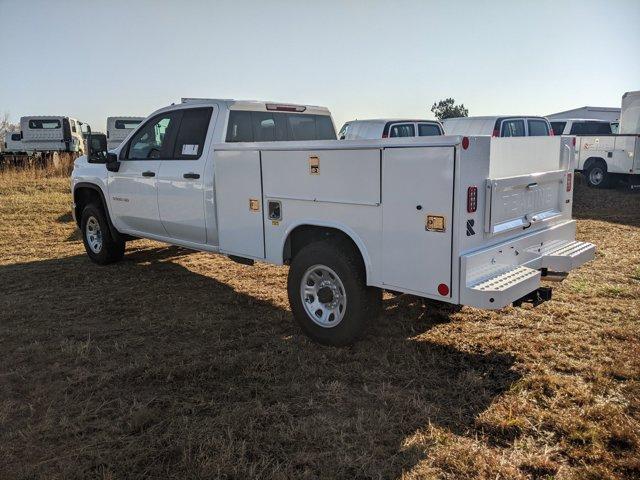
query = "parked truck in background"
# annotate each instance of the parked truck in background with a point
(448, 218)
(498, 126)
(607, 158)
(119, 128)
(52, 134)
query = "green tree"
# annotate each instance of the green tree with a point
(447, 108)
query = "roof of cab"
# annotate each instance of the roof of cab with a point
(597, 120)
(254, 105)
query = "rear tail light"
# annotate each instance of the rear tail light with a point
(551, 133)
(465, 143)
(573, 140)
(569, 181)
(285, 108)
(472, 199)
(385, 135)
(496, 133)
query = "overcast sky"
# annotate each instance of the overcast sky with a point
(362, 59)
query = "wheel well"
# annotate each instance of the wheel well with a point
(305, 234)
(83, 196)
(589, 162)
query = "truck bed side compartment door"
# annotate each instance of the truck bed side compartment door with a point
(417, 205)
(238, 187)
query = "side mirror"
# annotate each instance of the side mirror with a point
(97, 147)
(113, 165)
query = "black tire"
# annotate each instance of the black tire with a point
(362, 303)
(111, 249)
(597, 175)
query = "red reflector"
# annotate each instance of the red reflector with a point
(472, 199)
(286, 108)
(569, 181)
(496, 133)
(443, 289)
(465, 142)
(573, 140)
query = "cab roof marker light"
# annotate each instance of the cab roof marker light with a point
(285, 108)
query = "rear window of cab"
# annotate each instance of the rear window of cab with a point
(248, 126)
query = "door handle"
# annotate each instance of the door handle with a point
(191, 175)
(148, 174)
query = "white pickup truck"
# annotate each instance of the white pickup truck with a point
(609, 157)
(463, 220)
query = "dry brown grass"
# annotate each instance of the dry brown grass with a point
(174, 364)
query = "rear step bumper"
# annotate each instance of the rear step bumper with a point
(509, 272)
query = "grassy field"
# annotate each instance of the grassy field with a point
(173, 364)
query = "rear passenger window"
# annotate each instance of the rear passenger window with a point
(239, 128)
(558, 127)
(192, 133)
(538, 128)
(591, 128)
(16, 137)
(263, 126)
(402, 130)
(428, 130)
(302, 127)
(512, 128)
(245, 126)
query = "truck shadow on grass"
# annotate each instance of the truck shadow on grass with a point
(145, 368)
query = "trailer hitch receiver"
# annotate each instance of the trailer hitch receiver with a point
(538, 296)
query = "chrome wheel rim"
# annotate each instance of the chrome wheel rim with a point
(93, 234)
(323, 296)
(596, 175)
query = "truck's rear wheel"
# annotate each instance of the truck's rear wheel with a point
(597, 175)
(328, 294)
(99, 243)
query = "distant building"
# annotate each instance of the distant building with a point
(611, 114)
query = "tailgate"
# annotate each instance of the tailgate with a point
(524, 200)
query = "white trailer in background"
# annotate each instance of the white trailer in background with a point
(52, 134)
(462, 220)
(119, 128)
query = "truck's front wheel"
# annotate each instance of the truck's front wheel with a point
(328, 294)
(98, 241)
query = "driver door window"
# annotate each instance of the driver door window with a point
(155, 139)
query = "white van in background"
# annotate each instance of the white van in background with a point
(389, 128)
(119, 128)
(499, 126)
(52, 134)
(580, 126)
